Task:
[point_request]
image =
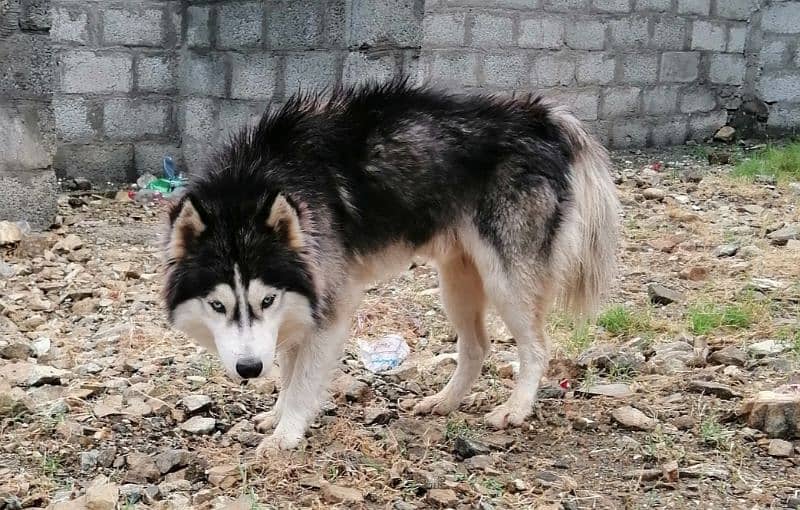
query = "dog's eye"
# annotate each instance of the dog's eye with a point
(267, 302)
(217, 306)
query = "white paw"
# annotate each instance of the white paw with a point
(436, 404)
(266, 421)
(506, 415)
(274, 443)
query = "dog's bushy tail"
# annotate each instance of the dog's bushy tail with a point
(589, 243)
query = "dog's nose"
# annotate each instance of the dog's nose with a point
(249, 368)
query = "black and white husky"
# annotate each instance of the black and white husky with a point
(272, 245)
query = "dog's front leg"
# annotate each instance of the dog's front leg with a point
(301, 398)
(287, 355)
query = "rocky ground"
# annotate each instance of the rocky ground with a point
(102, 405)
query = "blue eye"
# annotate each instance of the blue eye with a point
(267, 302)
(217, 306)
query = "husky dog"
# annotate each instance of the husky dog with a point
(271, 246)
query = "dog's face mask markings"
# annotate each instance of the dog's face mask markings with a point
(240, 322)
(241, 318)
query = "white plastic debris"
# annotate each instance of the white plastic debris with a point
(144, 180)
(383, 354)
(6, 270)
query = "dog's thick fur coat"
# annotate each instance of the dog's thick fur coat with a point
(510, 198)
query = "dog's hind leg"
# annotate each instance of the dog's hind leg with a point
(286, 360)
(465, 302)
(525, 320)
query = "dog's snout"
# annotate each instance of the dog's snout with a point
(249, 368)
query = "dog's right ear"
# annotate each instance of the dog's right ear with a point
(285, 221)
(186, 227)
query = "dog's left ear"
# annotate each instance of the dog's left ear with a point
(285, 221)
(186, 227)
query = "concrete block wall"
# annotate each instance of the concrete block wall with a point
(116, 79)
(778, 82)
(639, 72)
(27, 138)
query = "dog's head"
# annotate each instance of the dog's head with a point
(236, 280)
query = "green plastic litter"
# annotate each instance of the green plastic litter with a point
(162, 185)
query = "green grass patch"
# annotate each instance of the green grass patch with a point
(700, 152)
(573, 337)
(618, 372)
(457, 427)
(590, 378)
(791, 338)
(51, 464)
(494, 487)
(619, 320)
(707, 317)
(579, 340)
(780, 162)
(714, 434)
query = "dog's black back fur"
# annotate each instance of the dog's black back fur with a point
(384, 164)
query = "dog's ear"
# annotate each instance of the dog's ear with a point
(285, 221)
(186, 227)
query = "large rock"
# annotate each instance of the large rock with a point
(780, 448)
(613, 390)
(726, 250)
(337, 494)
(767, 348)
(13, 401)
(729, 355)
(722, 391)
(17, 349)
(632, 418)
(196, 403)
(68, 244)
(672, 358)
(31, 374)
(782, 236)
(661, 295)
(607, 357)
(694, 273)
(442, 498)
(224, 476)
(776, 413)
(102, 497)
(725, 134)
(9, 233)
(171, 460)
(346, 387)
(199, 425)
(141, 468)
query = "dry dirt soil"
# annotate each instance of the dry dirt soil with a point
(102, 405)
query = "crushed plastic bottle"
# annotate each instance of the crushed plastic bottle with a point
(144, 180)
(6, 271)
(23, 227)
(384, 354)
(147, 196)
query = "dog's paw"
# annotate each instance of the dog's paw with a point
(435, 404)
(273, 444)
(266, 421)
(505, 415)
